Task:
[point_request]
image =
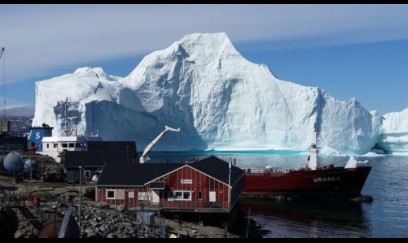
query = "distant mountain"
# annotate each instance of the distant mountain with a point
(23, 111)
(220, 100)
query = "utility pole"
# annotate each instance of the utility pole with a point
(247, 229)
(229, 184)
(2, 51)
(31, 172)
(80, 196)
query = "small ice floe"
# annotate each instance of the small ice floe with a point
(363, 199)
(352, 163)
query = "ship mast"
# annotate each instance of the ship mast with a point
(313, 150)
(67, 127)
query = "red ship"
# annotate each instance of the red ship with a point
(314, 181)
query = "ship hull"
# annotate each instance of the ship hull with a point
(335, 181)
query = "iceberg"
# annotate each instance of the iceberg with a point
(394, 134)
(220, 100)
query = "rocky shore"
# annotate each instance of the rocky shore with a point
(104, 223)
(110, 223)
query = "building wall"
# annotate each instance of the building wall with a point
(72, 174)
(180, 181)
(129, 196)
(236, 190)
(185, 179)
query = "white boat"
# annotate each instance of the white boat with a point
(53, 146)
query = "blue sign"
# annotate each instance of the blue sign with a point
(36, 135)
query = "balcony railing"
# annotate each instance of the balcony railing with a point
(182, 205)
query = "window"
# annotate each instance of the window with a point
(120, 194)
(170, 196)
(48, 145)
(182, 195)
(87, 173)
(71, 145)
(110, 194)
(142, 196)
(200, 196)
(64, 145)
(55, 145)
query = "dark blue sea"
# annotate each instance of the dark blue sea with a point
(386, 216)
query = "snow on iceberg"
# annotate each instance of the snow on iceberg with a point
(219, 99)
(81, 87)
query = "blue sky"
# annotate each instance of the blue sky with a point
(348, 50)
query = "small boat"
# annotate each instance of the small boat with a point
(312, 182)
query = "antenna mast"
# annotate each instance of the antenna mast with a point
(67, 127)
(313, 164)
(2, 51)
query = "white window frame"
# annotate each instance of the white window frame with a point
(114, 193)
(182, 195)
(142, 196)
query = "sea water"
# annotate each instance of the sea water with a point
(386, 216)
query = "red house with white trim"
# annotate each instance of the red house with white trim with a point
(208, 185)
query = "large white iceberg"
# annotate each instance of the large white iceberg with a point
(219, 99)
(394, 135)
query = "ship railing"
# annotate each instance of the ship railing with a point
(264, 171)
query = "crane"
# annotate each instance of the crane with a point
(149, 147)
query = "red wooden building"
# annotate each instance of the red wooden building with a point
(208, 185)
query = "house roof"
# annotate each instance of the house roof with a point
(133, 174)
(218, 168)
(114, 174)
(113, 145)
(95, 158)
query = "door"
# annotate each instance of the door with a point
(155, 197)
(213, 197)
(131, 198)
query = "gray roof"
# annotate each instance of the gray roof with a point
(114, 174)
(218, 168)
(133, 174)
(112, 145)
(95, 158)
